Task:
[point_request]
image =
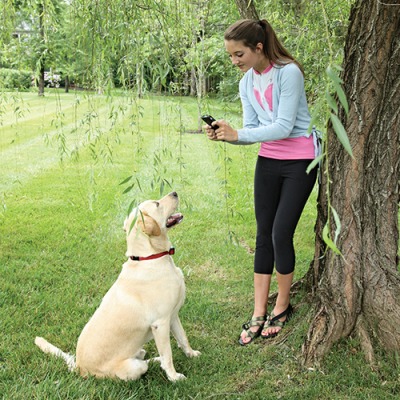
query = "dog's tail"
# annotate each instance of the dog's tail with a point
(47, 347)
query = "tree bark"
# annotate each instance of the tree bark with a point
(359, 294)
(247, 9)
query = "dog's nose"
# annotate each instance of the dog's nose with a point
(174, 194)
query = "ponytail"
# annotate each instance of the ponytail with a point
(251, 32)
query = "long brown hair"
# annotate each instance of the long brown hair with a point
(251, 32)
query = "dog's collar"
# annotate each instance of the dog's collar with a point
(171, 251)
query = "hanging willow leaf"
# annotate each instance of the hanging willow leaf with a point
(337, 83)
(162, 188)
(334, 77)
(131, 206)
(331, 102)
(314, 163)
(135, 218)
(138, 183)
(329, 242)
(341, 133)
(128, 189)
(342, 97)
(126, 180)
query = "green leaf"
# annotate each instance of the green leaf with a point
(341, 134)
(314, 163)
(131, 206)
(128, 189)
(329, 242)
(342, 97)
(135, 218)
(138, 183)
(337, 83)
(162, 188)
(126, 180)
(333, 76)
(331, 102)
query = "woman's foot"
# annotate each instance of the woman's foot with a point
(251, 330)
(275, 323)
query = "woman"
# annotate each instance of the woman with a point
(275, 114)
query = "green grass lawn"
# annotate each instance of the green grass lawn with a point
(62, 207)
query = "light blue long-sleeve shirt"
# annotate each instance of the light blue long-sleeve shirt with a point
(290, 111)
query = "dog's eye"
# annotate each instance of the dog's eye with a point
(157, 203)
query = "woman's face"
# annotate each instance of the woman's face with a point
(245, 58)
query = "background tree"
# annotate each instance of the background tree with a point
(247, 9)
(35, 23)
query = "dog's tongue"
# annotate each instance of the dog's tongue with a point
(174, 219)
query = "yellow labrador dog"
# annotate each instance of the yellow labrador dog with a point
(142, 304)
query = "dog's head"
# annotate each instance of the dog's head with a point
(147, 225)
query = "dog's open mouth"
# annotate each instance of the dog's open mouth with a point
(174, 219)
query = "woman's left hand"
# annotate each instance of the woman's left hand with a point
(225, 132)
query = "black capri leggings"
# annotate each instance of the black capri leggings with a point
(281, 190)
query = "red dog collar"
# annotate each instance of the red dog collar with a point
(171, 252)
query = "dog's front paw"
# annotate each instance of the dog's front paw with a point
(193, 353)
(140, 354)
(176, 377)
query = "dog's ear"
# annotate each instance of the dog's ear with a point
(149, 225)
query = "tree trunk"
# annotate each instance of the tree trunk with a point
(41, 80)
(66, 84)
(359, 294)
(41, 60)
(247, 9)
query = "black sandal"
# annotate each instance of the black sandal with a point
(255, 321)
(274, 321)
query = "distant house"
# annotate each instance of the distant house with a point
(23, 29)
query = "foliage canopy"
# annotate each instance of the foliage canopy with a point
(172, 46)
